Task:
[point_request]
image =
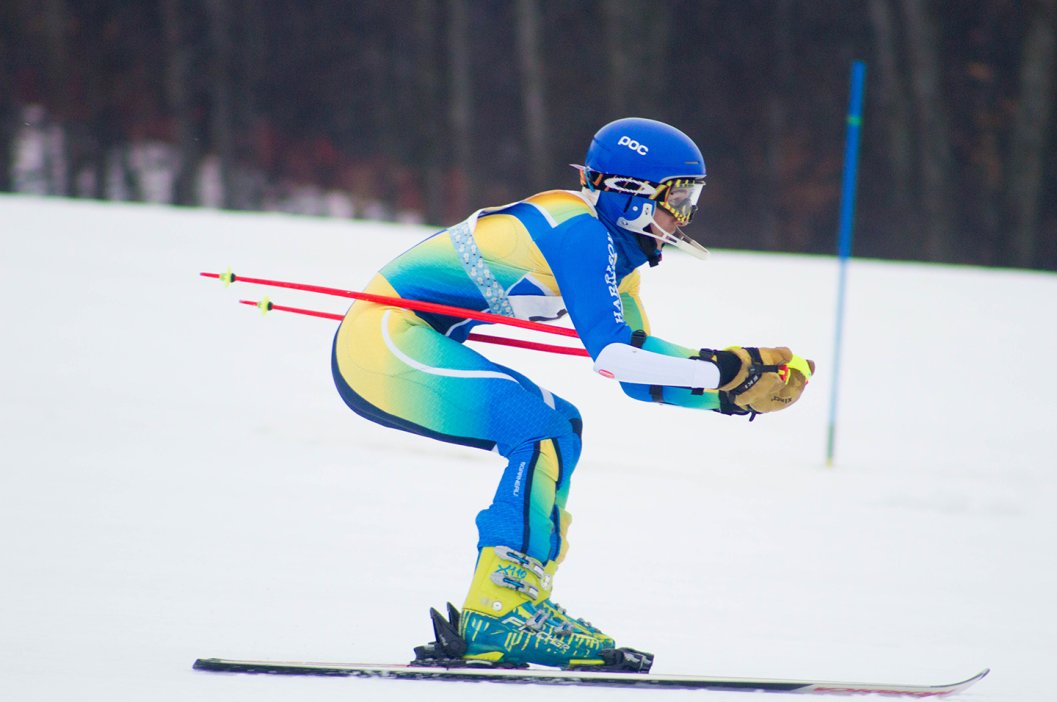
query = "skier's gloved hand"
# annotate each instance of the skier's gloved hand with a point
(758, 380)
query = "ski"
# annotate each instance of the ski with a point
(538, 676)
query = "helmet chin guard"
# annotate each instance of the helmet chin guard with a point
(679, 239)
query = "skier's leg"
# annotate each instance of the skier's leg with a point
(392, 368)
(570, 446)
(561, 519)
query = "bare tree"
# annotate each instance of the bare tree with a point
(652, 57)
(778, 104)
(427, 95)
(533, 93)
(636, 41)
(56, 25)
(935, 161)
(460, 104)
(1033, 123)
(221, 122)
(252, 64)
(178, 92)
(894, 119)
(8, 106)
(616, 16)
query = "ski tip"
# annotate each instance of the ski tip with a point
(205, 664)
(958, 687)
(976, 678)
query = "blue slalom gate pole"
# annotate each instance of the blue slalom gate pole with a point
(847, 217)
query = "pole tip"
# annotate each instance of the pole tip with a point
(227, 277)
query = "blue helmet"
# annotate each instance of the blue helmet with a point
(635, 166)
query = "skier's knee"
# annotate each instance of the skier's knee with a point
(569, 412)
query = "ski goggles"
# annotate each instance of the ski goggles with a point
(677, 196)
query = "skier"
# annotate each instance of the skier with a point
(553, 253)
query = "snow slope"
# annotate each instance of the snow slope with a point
(179, 478)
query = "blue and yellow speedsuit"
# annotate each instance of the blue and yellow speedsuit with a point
(534, 259)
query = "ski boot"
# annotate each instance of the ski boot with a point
(448, 649)
(505, 621)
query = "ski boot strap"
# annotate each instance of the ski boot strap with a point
(524, 562)
(527, 562)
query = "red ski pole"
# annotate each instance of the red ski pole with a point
(417, 305)
(266, 305)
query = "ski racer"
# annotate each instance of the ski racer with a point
(554, 253)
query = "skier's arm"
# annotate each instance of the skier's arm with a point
(654, 370)
(750, 380)
(733, 381)
(649, 368)
(613, 326)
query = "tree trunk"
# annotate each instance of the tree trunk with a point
(178, 92)
(934, 146)
(222, 128)
(636, 45)
(460, 107)
(616, 16)
(655, 74)
(1031, 127)
(777, 123)
(894, 120)
(7, 134)
(253, 72)
(533, 96)
(8, 106)
(427, 94)
(56, 22)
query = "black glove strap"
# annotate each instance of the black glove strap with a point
(755, 371)
(727, 406)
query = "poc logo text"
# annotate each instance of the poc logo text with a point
(635, 146)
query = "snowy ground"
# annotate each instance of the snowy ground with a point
(179, 478)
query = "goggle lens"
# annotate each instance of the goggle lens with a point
(679, 198)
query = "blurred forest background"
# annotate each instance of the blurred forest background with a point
(423, 110)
